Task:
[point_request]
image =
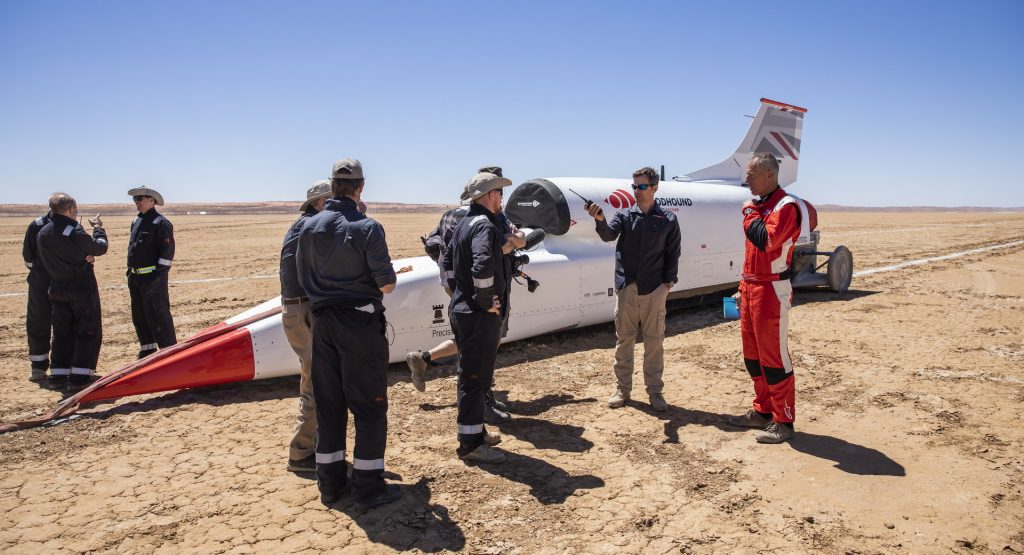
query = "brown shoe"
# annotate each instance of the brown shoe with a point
(418, 366)
(751, 419)
(492, 438)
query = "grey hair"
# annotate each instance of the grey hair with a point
(61, 203)
(765, 161)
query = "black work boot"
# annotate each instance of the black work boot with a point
(492, 414)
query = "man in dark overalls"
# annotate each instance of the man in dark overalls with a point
(495, 411)
(345, 269)
(150, 252)
(480, 282)
(67, 253)
(37, 318)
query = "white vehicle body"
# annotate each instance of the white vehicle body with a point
(574, 266)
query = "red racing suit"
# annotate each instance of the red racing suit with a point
(772, 227)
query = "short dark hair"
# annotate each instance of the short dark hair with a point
(61, 203)
(652, 175)
(342, 187)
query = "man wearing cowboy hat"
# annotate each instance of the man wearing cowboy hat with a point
(297, 319)
(480, 282)
(150, 252)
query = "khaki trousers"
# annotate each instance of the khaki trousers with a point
(298, 328)
(646, 313)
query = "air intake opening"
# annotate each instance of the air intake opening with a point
(538, 203)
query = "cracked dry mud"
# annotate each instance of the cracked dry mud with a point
(909, 390)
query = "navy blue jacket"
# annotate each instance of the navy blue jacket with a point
(647, 252)
(474, 265)
(37, 275)
(342, 258)
(63, 245)
(289, 273)
(151, 242)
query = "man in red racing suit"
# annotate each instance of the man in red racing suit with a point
(771, 225)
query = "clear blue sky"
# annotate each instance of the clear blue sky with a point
(909, 102)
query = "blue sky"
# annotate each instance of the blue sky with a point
(910, 103)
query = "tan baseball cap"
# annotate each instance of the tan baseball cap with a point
(481, 184)
(147, 192)
(347, 168)
(320, 189)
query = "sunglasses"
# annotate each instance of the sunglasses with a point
(137, 198)
(641, 187)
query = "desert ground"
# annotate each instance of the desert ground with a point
(910, 390)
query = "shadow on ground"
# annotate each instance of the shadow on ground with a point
(548, 483)
(412, 522)
(849, 457)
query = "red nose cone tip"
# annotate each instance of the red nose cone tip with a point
(224, 359)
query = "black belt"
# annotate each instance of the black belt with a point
(297, 300)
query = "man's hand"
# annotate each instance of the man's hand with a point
(361, 207)
(668, 285)
(89, 259)
(496, 307)
(387, 288)
(595, 211)
(518, 240)
(748, 206)
(96, 222)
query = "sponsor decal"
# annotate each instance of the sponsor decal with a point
(611, 291)
(442, 332)
(620, 198)
(572, 222)
(438, 313)
(531, 204)
(673, 201)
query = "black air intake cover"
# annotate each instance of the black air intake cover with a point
(538, 203)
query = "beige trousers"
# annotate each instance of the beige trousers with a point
(298, 328)
(646, 313)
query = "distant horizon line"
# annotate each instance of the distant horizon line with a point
(291, 206)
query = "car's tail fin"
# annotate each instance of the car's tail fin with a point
(776, 129)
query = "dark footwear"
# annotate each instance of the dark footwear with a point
(57, 382)
(330, 496)
(776, 432)
(492, 402)
(484, 454)
(307, 464)
(390, 493)
(418, 366)
(145, 353)
(78, 382)
(494, 416)
(750, 419)
(37, 375)
(658, 403)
